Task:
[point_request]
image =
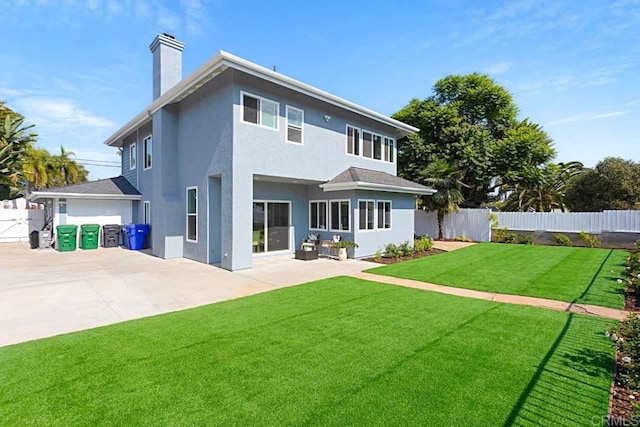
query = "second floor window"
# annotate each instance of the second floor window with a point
(363, 143)
(260, 111)
(147, 148)
(295, 120)
(133, 156)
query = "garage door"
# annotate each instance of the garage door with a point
(101, 212)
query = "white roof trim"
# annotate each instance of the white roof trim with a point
(58, 195)
(360, 185)
(223, 60)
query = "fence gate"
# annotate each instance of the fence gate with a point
(16, 224)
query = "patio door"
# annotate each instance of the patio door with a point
(271, 225)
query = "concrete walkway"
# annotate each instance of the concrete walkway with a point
(593, 310)
(448, 245)
(46, 292)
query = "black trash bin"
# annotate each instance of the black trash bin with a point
(111, 235)
(34, 239)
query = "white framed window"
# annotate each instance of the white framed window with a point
(366, 215)
(389, 149)
(192, 214)
(133, 156)
(340, 215)
(364, 143)
(146, 209)
(367, 144)
(260, 111)
(295, 124)
(318, 215)
(384, 214)
(147, 149)
(377, 147)
(353, 140)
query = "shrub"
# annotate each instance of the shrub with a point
(392, 250)
(524, 239)
(423, 243)
(378, 256)
(461, 238)
(406, 249)
(503, 235)
(591, 240)
(510, 237)
(627, 338)
(563, 240)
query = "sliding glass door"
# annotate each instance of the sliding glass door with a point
(271, 224)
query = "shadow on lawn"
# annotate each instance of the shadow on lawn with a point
(562, 390)
(593, 279)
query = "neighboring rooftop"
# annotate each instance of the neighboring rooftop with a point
(367, 179)
(114, 188)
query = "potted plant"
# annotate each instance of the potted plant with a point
(342, 247)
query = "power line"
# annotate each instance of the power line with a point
(97, 161)
(98, 164)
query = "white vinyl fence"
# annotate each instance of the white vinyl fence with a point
(572, 222)
(471, 223)
(16, 224)
(474, 224)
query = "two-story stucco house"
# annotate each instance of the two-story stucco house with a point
(237, 161)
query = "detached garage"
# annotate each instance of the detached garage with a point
(106, 201)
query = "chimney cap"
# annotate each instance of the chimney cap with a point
(167, 40)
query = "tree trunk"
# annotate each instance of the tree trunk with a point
(440, 224)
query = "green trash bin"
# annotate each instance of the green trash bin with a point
(90, 236)
(67, 237)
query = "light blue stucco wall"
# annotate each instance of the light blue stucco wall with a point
(203, 142)
(262, 151)
(127, 172)
(369, 241)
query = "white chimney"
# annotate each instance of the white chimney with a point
(167, 63)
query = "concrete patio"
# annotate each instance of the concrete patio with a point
(45, 292)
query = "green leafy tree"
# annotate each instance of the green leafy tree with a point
(446, 178)
(470, 122)
(613, 184)
(541, 189)
(15, 140)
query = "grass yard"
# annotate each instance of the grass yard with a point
(580, 275)
(335, 352)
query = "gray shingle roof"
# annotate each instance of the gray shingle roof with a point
(354, 174)
(109, 186)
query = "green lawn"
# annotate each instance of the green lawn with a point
(335, 352)
(580, 275)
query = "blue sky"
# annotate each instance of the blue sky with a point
(81, 69)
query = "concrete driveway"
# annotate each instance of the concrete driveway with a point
(45, 292)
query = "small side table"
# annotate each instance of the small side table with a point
(306, 255)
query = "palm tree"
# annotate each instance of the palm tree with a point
(68, 171)
(446, 179)
(36, 168)
(542, 189)
(14, 141)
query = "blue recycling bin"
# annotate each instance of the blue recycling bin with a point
(137, 236)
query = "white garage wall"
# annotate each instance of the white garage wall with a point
(80, 211)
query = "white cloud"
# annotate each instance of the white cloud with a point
(607, 115)
(497, 68)
(59, 113)
(193, 16)
(566, 120)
